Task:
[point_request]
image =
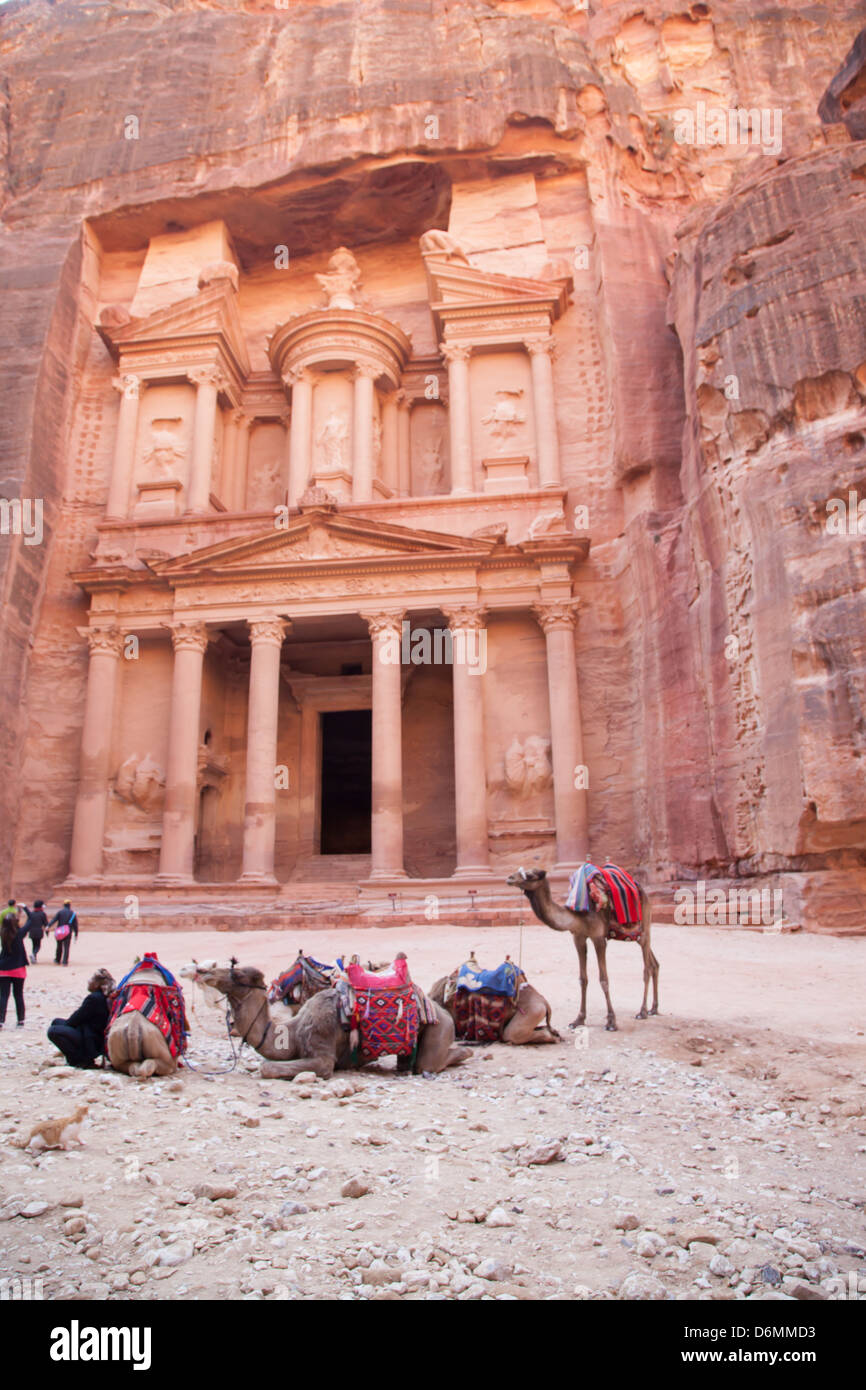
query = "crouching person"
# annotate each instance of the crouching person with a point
(81, 1037)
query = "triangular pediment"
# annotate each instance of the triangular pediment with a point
(320, 539)
(211, 315)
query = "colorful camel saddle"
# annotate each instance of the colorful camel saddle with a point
(162, 1005)
(482, 1001)
(480, 1017)
(608, 888)
(389, 1010)
(304, 978)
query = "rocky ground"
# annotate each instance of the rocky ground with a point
(713, 1152)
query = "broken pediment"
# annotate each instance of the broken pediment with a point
(200, 327)
(462, 294)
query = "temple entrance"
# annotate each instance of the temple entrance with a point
(347, 741)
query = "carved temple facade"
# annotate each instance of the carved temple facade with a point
(332, 605)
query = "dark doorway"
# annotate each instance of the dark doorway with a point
(347, 737)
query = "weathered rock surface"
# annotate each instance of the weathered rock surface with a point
(725, 624)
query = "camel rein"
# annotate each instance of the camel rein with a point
(236, 1054)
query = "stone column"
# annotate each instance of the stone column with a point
(181, 778)
(566, 734)
(300, 432)
(540, 351)
(260, 822)
(88, 829)
(386, 829)
(390, 444)
(120, 483)
(470, 774)
(404, 444)
(362, 435)
(460, 420)
(207, 384)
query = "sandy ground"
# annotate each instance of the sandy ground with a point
(715, 1151)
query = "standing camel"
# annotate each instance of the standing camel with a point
(589, 926)
(315, 1039)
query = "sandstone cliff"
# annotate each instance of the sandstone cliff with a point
(723, 349)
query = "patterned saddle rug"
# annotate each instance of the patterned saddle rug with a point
(480, 1017)
(304, 978)
(389, 1011)
(162, 1005)
(608, 888)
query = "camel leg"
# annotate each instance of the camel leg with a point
(286, 1071)
(580, 947)
(601, 954)
(646, 978)
(456, 1055)
(655, 971)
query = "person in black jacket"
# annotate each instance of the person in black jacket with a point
(81, 1037)
(13, 967)
(67, 926)
(37, 926)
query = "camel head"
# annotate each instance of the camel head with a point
(234, 981)
(526, 879)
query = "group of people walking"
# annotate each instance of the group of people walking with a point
(13, 951)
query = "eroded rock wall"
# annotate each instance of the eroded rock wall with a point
(363, 122)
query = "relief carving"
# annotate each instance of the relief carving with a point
(140, 782)
(528, 768)
(331, 441)
(506, 418)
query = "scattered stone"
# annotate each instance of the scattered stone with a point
(355, 1187)
(627, 1222)
(214, 1192)
(499, 1217)
(642, 1287)
(492, 1269)
(550, 1152)
(293, 1209)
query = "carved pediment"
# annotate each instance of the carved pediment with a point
(208, 318)
(319, 538)
(461, 292)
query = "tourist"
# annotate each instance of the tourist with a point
(81, 1037)
(13, 967)
(37, 926)
(67, 923)
(10, 910)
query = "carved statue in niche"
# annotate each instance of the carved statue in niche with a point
(528, 767)
(164, 457)
(331, 439)
(433, 467)
(140, 782)
(341, 280)
(505, 418)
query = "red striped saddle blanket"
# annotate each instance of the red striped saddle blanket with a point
(480, 1018)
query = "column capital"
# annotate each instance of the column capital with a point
(207, 376)
(297, 375)
(365, 372)
(465, 617)
(241, 420)
(384, 624)
(105, 641)
(456, 352)
(188, 636)
(557, 613)
(128, 384)
(540, 343)
(268, 630)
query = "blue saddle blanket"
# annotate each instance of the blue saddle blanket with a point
(502, 980)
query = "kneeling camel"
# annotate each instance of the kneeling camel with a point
(315, 1039)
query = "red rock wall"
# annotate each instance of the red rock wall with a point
(706, 515)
